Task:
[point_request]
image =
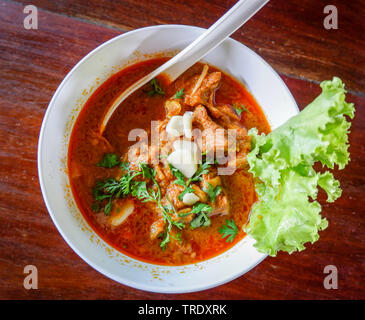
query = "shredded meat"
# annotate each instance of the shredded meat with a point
(200, 193)
(224, 113)
(200, 116)
(219, 118)
(186, 218)
(211, 140)
(205, 93)
(213, 122)
(173, 108)
(211, 181)
(172, 194)
(141, 153)
(220, 205)
(227, 118)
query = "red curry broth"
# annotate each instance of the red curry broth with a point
(85, 150)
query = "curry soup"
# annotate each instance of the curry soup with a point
(164, 216)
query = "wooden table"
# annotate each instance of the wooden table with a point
(288, 34)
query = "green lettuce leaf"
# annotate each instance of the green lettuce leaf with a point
(287, 215)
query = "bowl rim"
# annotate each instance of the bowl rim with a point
(51, 106)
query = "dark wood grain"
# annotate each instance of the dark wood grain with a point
(288, 34)
(33, 63)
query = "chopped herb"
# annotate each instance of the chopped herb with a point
(179, 94)
(186, 190)
(105, 189)
(168, 227)
(185, 214)
(108, 207)
(147, 172)
(170, 206)
(166, 237)
(95, 207)
(239, 109)
(229, 230)
(180, 178)
(111, 188)
(201, 207)
(141, 192)
(109, 160)
(212, 192)
(177, 237)
(108, 189)
(201, 219)
(203, 169)
(145, 194)
(127, 182)
(155, 88)
(124, 166)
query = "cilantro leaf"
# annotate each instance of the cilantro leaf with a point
(166, 238)
(108, 207)
(108, 189)
(111, 188)
(180, 178)
(147, 172)
(212, 192)
(109, 160)
(141, 192)
(177, 237)
(201, 219)
(229, 230)
(203, 169)
(201, 207)
(124, 166)
(95, 207)
(239, 109)
(179, 94)
(105, 189)
(186, 190)
(155, 88)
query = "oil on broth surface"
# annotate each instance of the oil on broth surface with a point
(86, 149)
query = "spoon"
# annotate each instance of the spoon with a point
(242, 11)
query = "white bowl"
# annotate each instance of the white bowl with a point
(231, 56)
